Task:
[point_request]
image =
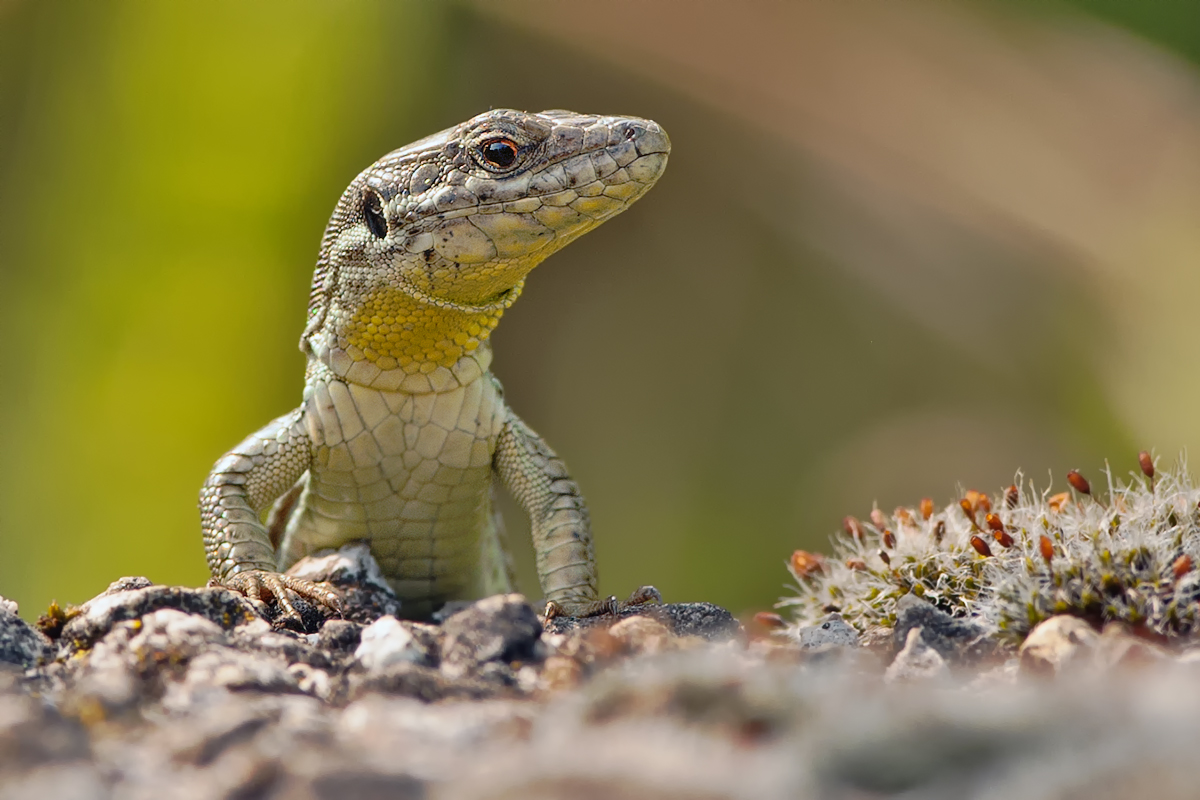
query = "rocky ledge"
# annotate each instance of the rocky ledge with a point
(158, 691)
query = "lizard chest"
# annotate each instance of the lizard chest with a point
(409, 473)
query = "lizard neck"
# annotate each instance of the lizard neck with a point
(399, 339)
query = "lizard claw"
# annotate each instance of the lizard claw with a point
(643, 595)
(261, 585)
(610, 605)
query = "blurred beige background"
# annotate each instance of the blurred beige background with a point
(901, 247)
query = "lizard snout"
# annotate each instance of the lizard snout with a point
(646, 134)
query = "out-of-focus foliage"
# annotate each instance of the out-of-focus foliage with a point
(1169, 23)
(898, 246)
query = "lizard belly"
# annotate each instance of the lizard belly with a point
(411, 475)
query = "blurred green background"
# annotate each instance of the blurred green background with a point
(901, 248)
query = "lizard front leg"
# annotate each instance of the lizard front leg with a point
(242, 483)
(562, 539)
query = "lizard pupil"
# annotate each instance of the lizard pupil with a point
(500, 152)
(373, 211)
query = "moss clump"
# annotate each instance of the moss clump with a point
(1018, 557)
(51, 623)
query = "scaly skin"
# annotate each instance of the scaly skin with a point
(403, 431)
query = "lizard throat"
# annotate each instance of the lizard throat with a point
(403, 328)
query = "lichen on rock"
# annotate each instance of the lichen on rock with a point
(1016, 558)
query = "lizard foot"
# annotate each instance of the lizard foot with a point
(261, 585)
(609, 605)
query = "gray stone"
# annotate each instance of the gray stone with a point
(340, 784)
(833, 631)
(706, 620)
(1059, 644)
(34, 733)
(426, 684)
(385, 642)
(21, 644)
(240, 671)
(77, 781)
(186, 703)
(957, 641)
(338, 637)
(502, 628)
(97, 617)
(917, 661)
(127, 584)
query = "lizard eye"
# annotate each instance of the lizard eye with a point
(499, 153)
(373, 212)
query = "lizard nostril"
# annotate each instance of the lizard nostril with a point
(630, 132)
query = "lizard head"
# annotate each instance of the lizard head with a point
(430, 244)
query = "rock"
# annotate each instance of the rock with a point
(315, 682)
(97, 617)
(61, 782)
(916, 661)
(165, 634)
(714, 694)
(355, 573)
(339, 784)
(642, 635)
(1066, 644)
(1120, 648)
(258, 637)
(21, 644)
(833, 631)
(1002, 675)
(385, 642)
(503, 628)
(230, 669)
(339, 637)
(403, 732)
(426, 684)
(175, 692)
(1058, 644)
(706, 620)
(136, 657)
(167, 691)
(560, 672)
(957, 641)
(34, 733)
(449, 609)
(127, 584)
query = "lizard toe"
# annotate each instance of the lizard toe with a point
(609, 606)
(262, 585)
(310, 590)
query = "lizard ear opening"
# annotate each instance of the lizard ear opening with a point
(372, 206)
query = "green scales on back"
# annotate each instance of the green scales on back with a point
(403, 431)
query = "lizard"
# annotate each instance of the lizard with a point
(403, 434)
